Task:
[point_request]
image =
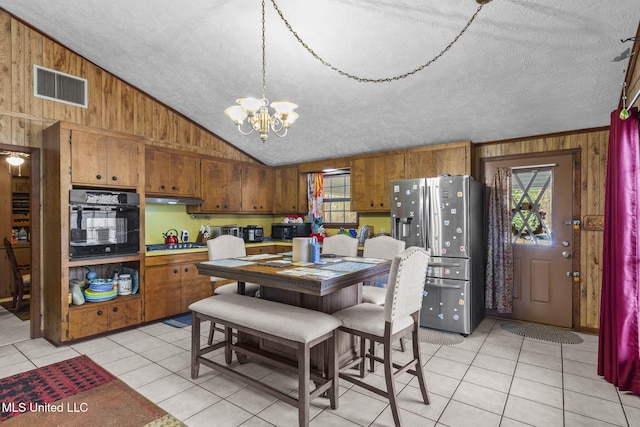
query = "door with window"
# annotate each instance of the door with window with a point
(542, 235)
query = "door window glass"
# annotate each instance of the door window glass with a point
(531, 193)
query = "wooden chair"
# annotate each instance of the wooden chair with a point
(341, 245)
(21, 277)
(398, 317)
(227, 246)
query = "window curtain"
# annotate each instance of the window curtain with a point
(315, 187)
(618, 346)
(499, 272)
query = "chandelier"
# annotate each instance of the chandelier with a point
(259, 118)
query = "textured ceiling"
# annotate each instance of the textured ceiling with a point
(524, 67)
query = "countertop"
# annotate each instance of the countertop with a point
(195, 250)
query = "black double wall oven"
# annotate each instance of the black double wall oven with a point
(103, 223)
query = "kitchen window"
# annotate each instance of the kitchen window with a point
(336, 202)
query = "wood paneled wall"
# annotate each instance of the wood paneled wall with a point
(593, 155)
(112, 103)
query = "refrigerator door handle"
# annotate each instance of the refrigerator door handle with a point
(441, 285)
(426, 230)
(444, 264)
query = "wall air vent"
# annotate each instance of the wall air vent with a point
(61, 87)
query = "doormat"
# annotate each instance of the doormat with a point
(542, 332)
(23, 314)
(74, 392)
(179, 321)
(433, 336)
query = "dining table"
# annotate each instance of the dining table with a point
(329, 286)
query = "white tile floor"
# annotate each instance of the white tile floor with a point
(493, 378)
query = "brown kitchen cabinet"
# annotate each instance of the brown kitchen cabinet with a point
(221, 184)
(101, 158)
(255, 250)
(171, 173)
(95, 318)
(88, 152)
(257, 185)
(370, 179)
(285, 190)
(453, 158)
(172, 283)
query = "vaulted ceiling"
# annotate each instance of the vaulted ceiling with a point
(523, 67)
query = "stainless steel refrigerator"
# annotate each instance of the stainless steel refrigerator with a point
(444, 214)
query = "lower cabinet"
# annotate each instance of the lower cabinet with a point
(95, 318)
(172, 283)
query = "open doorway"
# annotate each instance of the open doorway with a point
(20, 206)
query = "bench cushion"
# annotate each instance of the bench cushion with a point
(281, 320)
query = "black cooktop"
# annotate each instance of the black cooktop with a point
(165, 247)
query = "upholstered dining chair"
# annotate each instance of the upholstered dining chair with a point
(227, 246)
(398, 317)
(21, 277)
(341, 245)
(384, 247)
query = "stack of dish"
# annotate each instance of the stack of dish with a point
(101, 290)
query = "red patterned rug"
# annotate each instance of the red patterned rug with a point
(75, 392)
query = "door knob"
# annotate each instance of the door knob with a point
(565, 244)
(566, 254)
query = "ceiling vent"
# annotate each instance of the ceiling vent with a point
(61, 87)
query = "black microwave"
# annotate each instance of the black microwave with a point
(103, 223)
(289, 231)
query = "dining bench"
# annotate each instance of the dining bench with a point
(294, 327)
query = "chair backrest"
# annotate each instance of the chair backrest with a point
(225, 246)
(383, 247)
(340, 244)
(406, 282)
(13, 261)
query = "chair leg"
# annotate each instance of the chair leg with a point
(419, 372)
(195, 345)
(211, 332)
(391, 386)
(304, 384)
(363, 357)
(403, 346)
(372, 352)
(334, 365)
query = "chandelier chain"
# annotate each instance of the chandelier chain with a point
(364, 79)
(264, 61)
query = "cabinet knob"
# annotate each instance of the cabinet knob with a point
(162, 187)
(114, 178)
(98, 176)
(174, 188)
(175, 271)
(115, 309)
(217, 206)
(99, 312)
(372, 204)
(186, 270)
(254, 208)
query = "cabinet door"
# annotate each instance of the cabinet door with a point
(98, 159)
(171, 173)
(257, 184)
(221, 186)
(370, 180)
(285, 190)
(162, 295)
(6, 276)
(452, 158)
(124, 312)
(87, 320)
(194, 286)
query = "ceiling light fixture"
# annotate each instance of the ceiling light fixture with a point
(14, 159)
(259, 118)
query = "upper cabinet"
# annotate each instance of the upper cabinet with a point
(285, 190)
(221, 187)
(432, 160)
(257, 185)
(370, 179)
(171, 173)
(106, 160)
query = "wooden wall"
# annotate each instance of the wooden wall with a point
(593, 156)
(113, 104)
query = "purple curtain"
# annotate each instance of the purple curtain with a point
(618, 346)
(499, 272)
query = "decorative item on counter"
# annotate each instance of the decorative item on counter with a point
(293, 219)
(75, 290)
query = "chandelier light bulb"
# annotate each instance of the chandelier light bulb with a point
(15, 160)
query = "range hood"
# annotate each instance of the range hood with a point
(171, 200)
